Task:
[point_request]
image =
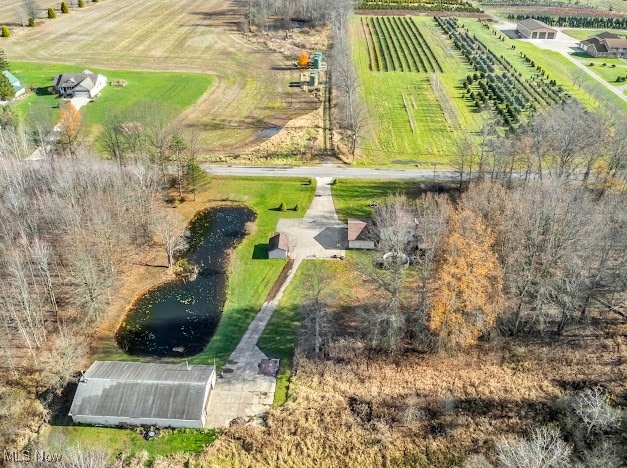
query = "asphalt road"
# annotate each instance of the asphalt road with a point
(332, 170)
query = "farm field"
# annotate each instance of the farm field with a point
(559, 67)
(250, 92)
(582, 34)
(174, 91)
(410, 123)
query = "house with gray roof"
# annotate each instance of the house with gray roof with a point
(114, 393)
(605, 44)
(17, 87)
(278, 246)
(84, 84)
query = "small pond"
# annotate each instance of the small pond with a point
(177, 319)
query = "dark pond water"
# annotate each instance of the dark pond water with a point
(178, 318)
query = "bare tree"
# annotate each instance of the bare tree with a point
(591, 405)
(31, 7)
(79, 457)
(543, 449)
(167, 228)
(317, 298)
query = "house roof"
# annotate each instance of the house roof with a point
(279, 241)
(14, 81)
(606, 35)
(533, 24)
(616, 43)
(139, 390)
(85, 79)
(358, 229)
(597, 43)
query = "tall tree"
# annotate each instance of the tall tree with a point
(7, 92)
(69, 127)
(4, 63)
(467, 291)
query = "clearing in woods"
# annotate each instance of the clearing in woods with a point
(250, 92)
(412, 85)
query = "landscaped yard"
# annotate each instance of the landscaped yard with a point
(408, 123)
(251, 274)
(614, 67)
(127, 441)
(174, 91)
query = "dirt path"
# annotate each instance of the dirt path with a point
(251, 89)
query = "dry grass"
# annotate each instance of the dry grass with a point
(251, 91)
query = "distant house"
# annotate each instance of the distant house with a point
(534, 29)
(17, 87)
(165, 395)
(85, 84)
(278, 246)
(359, 234)
(605, 44)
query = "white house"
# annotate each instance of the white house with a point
(85, 84)
(133, 393)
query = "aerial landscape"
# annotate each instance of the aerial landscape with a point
(325, 233)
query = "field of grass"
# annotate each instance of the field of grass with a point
(127, 441)
(353, 197)
(582, 34)
(250, 274)
(556, 65)
(408, 123)
(174, 91)
(607, 72)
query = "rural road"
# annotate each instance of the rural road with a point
(331, 170)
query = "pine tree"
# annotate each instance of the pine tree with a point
(4, 63)
(6, 32)
(64, 8)
(81, 3)
(6, 88)
(51, 13)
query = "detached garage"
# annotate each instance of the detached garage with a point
(165, 395)
(534, 29)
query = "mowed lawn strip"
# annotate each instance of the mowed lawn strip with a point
(281, 336)
(555, 65)
(127, 441)
(173, 91)
(606, 68)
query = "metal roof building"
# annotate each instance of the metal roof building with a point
(165, 395)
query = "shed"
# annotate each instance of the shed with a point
(359, 235)
(317, 60)
(132, 393)
(534, 29)
(17, 87)
(314, 78)
(278, 246)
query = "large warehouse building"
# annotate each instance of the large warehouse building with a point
(534, 29)
(165, 395)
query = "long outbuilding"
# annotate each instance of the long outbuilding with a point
(114, 393)
(534, 29)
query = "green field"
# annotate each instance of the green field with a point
(127, 441)
(582, 34)
(399, 101)
(555, 64)
(174, 91)
(607, 72)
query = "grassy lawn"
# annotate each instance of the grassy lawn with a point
(175, 91)
(250, 279)
(352, 197)
(127, 441)
(250, 274)
(390, 134)
(555, 64)
(281, 335)
(607, 72)
(586, 33)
